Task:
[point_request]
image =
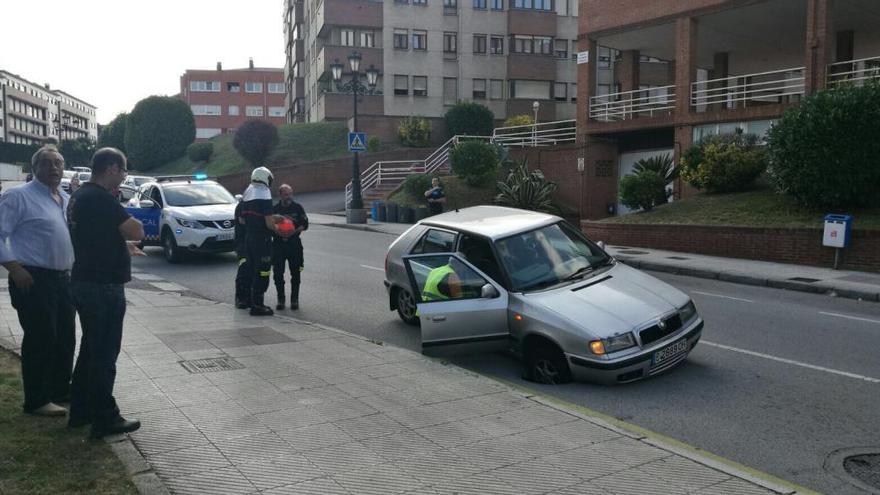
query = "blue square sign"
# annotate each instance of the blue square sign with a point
(357, 141)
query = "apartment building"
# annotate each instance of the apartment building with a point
(687, 69)
(221, 100)
(431, 54)
(31, 113)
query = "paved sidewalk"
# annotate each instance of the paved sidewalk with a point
(295, 408)
(840, 283)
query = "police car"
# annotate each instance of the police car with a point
(184, 214)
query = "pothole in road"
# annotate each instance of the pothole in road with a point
(858, 466)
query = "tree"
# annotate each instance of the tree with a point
(113, 134)
(470, 119)
(77, 152)
(200, 152)
(255, 140)
(157, 131)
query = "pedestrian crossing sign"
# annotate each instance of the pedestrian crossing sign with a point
(357, 141)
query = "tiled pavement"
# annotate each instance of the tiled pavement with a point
(312, 410)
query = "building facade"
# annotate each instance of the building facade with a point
(687, 69)
(31, 113)
(431, 54)
(221, 100)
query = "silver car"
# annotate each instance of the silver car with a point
(493, 278)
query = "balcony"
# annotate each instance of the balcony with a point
(360, 13)
(750, 90)
(853, 71)
(627, 105)
(531, 22)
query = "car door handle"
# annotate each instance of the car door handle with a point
(438, 318)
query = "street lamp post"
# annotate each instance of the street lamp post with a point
(535, 107)
(355, 208)
(59, 125)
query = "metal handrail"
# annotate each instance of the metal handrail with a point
(538, 134)
(741, 88)
(860, 70)
(628, 104)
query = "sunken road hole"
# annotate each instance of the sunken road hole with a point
(804, 279)
(211, 365)
(865, 468)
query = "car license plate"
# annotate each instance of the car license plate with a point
(670, 352)
(225, 237)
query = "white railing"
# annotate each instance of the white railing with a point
(630, 104)
(854, 71)
(778, 86)
(540, 134)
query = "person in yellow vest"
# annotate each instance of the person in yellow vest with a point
(443, 283)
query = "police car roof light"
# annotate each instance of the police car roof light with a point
(181, 178)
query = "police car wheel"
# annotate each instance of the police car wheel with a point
(169, 246)
(406, 307)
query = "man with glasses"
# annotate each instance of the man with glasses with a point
(39, 257)
(99, 228)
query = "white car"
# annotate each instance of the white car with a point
(185, 214)
(65, 179)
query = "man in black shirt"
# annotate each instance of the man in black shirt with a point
(99, 228)
(288, 249)
(243, 275)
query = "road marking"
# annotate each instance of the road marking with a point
(849, 317)
(792, 362)
(373, 268)
(723, 297)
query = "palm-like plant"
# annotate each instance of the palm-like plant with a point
(526, 189)
(661, 165)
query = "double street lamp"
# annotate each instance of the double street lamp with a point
(356, 88)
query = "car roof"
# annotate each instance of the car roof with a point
(493, 222)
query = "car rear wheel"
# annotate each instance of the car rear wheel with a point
(546, 364)
(406, 307)
(170, 248)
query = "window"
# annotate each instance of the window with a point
(496, 45)
(368, 39)
(533, 4)
(253, 87)
(450, 91)
(420, 40)
(233, 110)
(276, 87)
(604, 58)
(450, 43)
(478, 252)
(253, 111)
(497, 4)
(559, 91)
(479, 89)
(420, 86)
(530, 90)
(435, 241)
(207, 133)
(204, 86)
(543, 45)
(562, 7)
(400, 39)
(233, 87)
(561, 48)
(450, 4)
(206, 109)
(522, 44)
(401, 85)
(461, 284)
(574, 92)
(480, 4)
(346, 37)
(479, 43)
(276, 112)
(420, 2)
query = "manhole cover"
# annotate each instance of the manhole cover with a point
(865, 468)
(804, 279)
(677, 258)
(630, 251)
(211, 365)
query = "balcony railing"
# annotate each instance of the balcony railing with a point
(541, 134)
(854, 71)
(631, 104)
(779, 86)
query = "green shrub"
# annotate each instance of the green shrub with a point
(373, 144)
(643, 190)
(475, 162)
(255, 140)
(470, 119)
(200, 152)
(826, 151)
(526, 189)
(416, 184)
(113, 134)
(519, 120)
(414, 132)
(722, 164)
(661, 165)
(157, 131)
(77, 152)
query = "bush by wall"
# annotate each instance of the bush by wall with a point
(471, 119)
(726, 163)
(200, 152)
(643, 190)
(414, 132)
(416, 184)
(519, 120)
(527, 189)
(255, 140)
(157, 131)
(475, 162)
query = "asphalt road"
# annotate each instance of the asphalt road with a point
(779, 381)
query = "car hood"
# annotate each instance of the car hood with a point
(612, 302)
(209, 212)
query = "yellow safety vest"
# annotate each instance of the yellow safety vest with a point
(431, 292)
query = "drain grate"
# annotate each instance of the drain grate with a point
(865, 468)
(211, 365)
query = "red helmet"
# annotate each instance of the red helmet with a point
(286, 226)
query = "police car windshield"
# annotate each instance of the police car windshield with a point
(195, 194)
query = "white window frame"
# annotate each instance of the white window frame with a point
(207, 110)
(233, 111)
(253, 111)
(253, 87)
(204, 86)
(346, 37)
(277, 111)
(276, 88)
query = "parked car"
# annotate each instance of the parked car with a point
(533, 284)
(65, 179)
(137, 181)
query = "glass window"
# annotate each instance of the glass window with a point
(562, 7)
(401, 38)
(496, 89)
(401, 85)
(450, 91)
(233, 87)
(478, 252)
(530, 90)
(479, 43)
(420, 40)
(276, 111)
(253, 87)
(253, 111)
(197, 194)
(450, 43)
(200, 87)
(543, 45)
(435, 241)
(445, 278)
(479, 89)
(276, 88)
(496, 45)
(480, 4)
(207, 133)
(497, 4)
(559, 91)
(420, 2)
(368, 39)
(574, 92)
(561, 48)
(346, 37)
(420, 86)
(206, 109)
(522, 44)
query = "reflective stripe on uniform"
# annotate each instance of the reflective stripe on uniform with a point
(265, 274)
(242, 261)
(431, 292)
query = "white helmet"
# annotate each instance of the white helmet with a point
(262, 175)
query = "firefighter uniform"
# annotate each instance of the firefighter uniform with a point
(256, 206)
(289, 251)
(243, 275)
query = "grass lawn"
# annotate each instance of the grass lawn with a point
(40, 455)
(296, 143)
(759, 208)
(458, 195)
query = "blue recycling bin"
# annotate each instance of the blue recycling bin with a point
(374, 212)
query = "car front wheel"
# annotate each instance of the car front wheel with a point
(169, 246)
(406, 307)
(547, 365)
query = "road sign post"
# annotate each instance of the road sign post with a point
(357, 141)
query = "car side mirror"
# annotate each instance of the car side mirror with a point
(238, 197)
(147, 203)
(601, 245)
(489, 292)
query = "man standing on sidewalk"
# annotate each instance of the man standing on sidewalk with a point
(288, 249)
(99, 227)
(260, 225)
(39, 258)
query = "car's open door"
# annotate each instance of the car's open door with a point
(460, 308)
(147, 212)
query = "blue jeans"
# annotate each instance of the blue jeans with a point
(101, 309)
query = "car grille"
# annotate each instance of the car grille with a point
(219, 224)
(655, 332)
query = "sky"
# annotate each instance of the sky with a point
(113, 53)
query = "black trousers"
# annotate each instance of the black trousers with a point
(46, 315)
(101, 310)
(260, 259)
(288, 253)
(243, 278)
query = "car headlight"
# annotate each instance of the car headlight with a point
(687, 312)
(190, 224)
(613, 344)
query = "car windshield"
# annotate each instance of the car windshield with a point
(68, 174)
(85, 176)
(139, 181)
(197, 195)
(548, 256)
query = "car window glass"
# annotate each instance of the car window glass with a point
(445, 278)
(435, 241)
(198, 194)
(156, 196)
(478, 252)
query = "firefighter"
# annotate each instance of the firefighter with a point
(288, 249)
(243, 276)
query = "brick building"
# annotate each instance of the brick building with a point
(221, 100)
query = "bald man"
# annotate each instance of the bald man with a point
(288, 249)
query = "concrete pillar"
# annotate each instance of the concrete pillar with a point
(818, 53)
(685, 64)
(586, 81)
(628, 71)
